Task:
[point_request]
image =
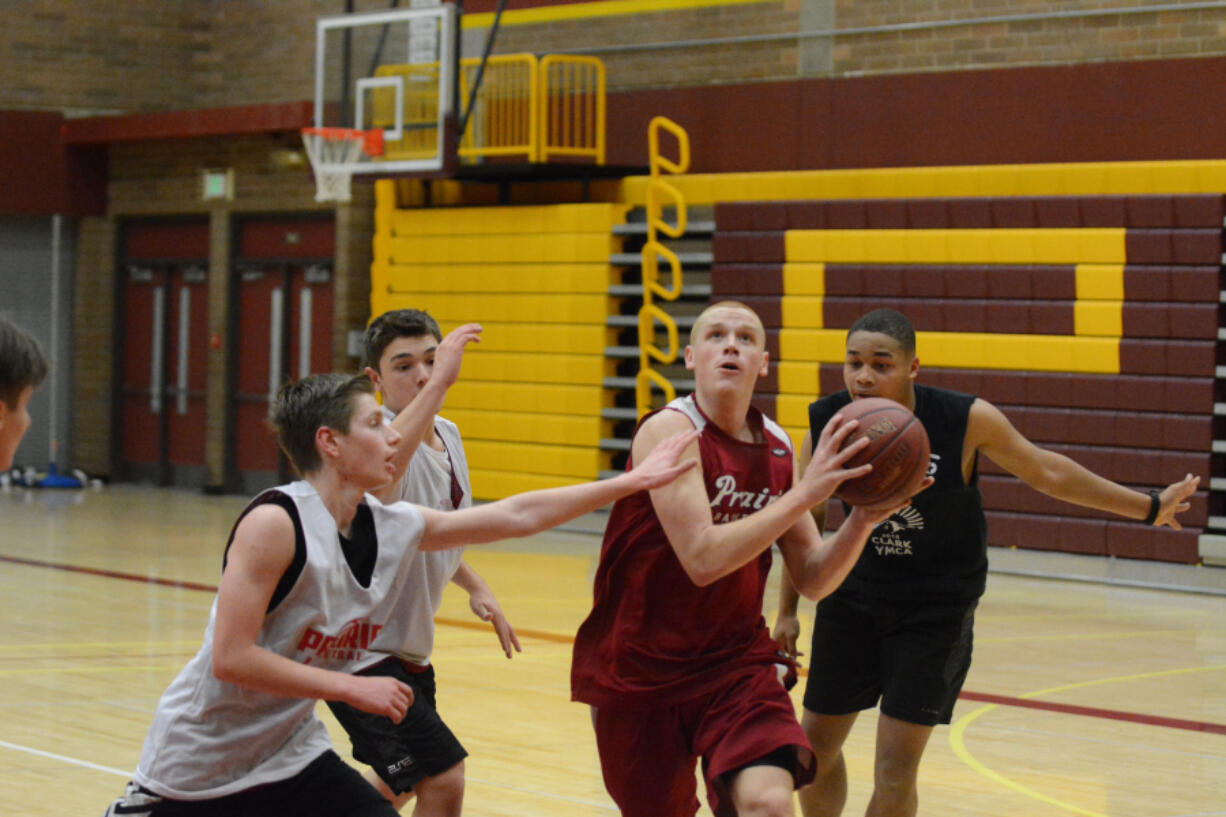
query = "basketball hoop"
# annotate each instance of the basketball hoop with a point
(334, 153)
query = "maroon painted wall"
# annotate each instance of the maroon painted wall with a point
(40, 175)
(1167, 109)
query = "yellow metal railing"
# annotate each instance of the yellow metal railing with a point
(658, 192)
(572, 107)
(526, 107)
(504, 120)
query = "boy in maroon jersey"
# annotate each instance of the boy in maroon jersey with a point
(675, 658)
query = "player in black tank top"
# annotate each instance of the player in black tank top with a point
(899, 629)
(937, 548)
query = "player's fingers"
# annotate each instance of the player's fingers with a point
(505, 637)
(842, 455)
(856, 472)
(839, 431)
(681, 440)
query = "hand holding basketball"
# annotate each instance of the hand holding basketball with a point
(897, 448)
(826, 468)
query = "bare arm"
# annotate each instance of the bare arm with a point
(989, 431)
(485, 607)
(787, 624)
(417, 418)
(709, 551)
(262, 550)
(535, 511)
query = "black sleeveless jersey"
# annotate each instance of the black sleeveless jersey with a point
(936, 548)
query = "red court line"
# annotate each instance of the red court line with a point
(1095, 712)
(110, 574)
(560, 638)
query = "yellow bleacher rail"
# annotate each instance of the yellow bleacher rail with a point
(572, 107)
(528, 107)
(658, 190)
(504, 120)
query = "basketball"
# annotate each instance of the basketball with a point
(897, 449)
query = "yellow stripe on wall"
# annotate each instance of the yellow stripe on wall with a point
(991, 246)
(802, 311)
(801, 278)
(605, 8)
(1098, 318)
(1055, 179)
(961, 350)
(1100, 282)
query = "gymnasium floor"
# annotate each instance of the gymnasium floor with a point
(1084, 699)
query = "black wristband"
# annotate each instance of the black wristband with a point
(1155, 505)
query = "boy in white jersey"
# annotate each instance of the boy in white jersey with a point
(310, 576)
(22, 368)
(419, 756)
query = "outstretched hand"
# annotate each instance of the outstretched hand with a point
(826, 470)
(661, 466)
(450, 353)
(1174, 500)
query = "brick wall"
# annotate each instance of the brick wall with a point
(145, 55)
(163, 178)
(706, 65)
(1110, 37)
(103, 57)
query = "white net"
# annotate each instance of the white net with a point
(334, 152)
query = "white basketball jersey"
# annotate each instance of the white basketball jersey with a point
(210, 738)
(409, 632)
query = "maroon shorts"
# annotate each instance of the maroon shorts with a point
(647, 755)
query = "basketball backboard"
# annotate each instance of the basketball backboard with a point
(394, 71)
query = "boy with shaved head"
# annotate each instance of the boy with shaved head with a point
(675, 658)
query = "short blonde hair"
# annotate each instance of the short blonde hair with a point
(724, 305)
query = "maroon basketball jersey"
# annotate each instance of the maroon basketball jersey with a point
(653, 636)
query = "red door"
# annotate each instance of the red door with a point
(164, 349)
(283, 332)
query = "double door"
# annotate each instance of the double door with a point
(164, 342)
(283, 331)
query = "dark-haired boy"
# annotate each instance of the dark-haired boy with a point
(22, 369)
(412, 367)
(311, 573)
(899, 628)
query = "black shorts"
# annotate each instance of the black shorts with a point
(328, 787)
(402, 753)
(912, 656)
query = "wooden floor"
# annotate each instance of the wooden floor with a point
(1083, 699)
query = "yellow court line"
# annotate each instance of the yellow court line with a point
(958, 744)
(604, 8)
